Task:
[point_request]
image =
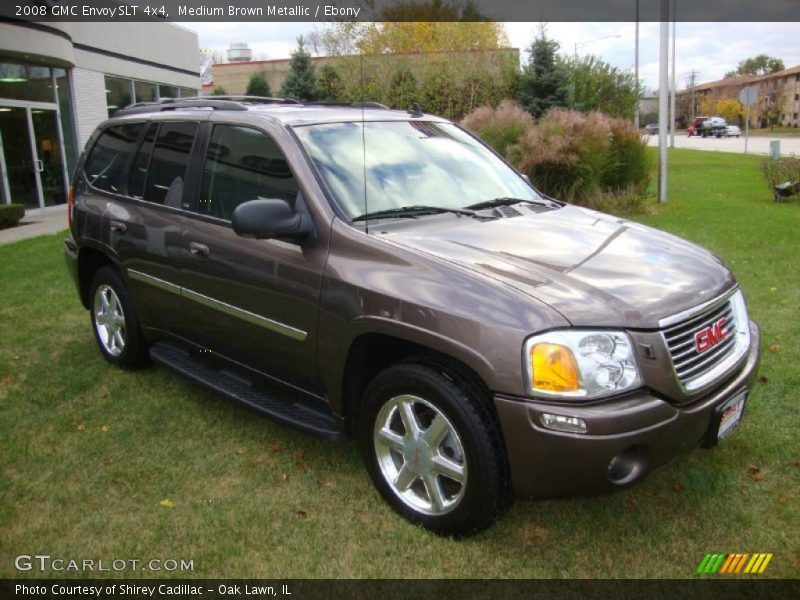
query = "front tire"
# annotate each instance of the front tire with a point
(433, 449)
(116, 328)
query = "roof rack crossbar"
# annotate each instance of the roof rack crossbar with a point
(169, 104)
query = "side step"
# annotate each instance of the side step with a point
(306, 418)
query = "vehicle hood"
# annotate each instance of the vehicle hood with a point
(593, 268)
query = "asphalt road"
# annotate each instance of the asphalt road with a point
(755, 145)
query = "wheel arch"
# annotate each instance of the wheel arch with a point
(372, 351)
(90, 260)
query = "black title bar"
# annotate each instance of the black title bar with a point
(400, 10)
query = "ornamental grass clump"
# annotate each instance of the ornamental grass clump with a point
(585, 158)
(499, 127)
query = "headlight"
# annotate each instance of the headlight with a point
(580, 364)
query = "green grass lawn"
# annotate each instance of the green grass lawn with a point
(88, 453)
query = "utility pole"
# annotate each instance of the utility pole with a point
(663, 77)
(636, 68)
(672, 90)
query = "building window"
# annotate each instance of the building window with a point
(25, 82)
(119, 93)
(167, 91)
(145, 92)
(65, 108)
(797, 96)
(188, 92)
(795, 116)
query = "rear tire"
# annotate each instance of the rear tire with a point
(114, 323)
(433, 448)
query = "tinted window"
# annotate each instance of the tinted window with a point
(243, 164)
(105, 165)
(166, 171)
(138, 176)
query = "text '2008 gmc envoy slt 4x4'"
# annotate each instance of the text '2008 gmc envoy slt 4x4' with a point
(354, 271)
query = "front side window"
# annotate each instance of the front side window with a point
(106, 163)
(407, 163)
(243, 164)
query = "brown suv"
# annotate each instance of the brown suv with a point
(358, 271)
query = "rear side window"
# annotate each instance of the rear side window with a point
(105, 166)
(243, 164)
(159, 172)
(138, 176)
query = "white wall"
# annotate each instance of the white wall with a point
(89, 102)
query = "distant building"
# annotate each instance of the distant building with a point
(778, 97)
(233, 77)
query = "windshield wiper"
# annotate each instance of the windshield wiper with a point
(507, 201)
(412, 212)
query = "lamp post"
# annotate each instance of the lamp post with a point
(636, 67)
(663, 106)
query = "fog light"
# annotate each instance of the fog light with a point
(562, 423)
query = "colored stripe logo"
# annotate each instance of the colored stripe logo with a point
(734, 564)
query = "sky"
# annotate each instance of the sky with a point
(710, 49)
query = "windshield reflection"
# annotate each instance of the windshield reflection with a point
(407, 163)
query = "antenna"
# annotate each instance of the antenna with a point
(364, 144)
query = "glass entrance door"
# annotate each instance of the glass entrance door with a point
(19, 166)
(32, 156)
(49, 157)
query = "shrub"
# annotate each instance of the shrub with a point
(258, 86)
(499, 127)
(219, 91)
(577, 157)
(10, 215)
(782, 170)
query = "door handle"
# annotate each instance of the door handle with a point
(199, 250)
(38, 165)
(118, 227)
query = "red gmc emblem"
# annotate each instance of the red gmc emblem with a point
(709, 337)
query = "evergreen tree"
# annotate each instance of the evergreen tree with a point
(300, 80)
(403, 90)
(544, 83)
(329, 85)
(258, 86)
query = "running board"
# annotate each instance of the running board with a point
(309, 419)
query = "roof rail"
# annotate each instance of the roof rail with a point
(257, 99)
(171, 104)
(377, 105)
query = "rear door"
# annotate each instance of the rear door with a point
(139, 170)
(254, 301)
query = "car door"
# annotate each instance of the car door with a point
(253, 301)
(127, 217)
(150, 244)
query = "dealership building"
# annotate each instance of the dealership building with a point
(59, 80)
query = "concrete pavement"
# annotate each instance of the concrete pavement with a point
(36, 222)
(756, 145)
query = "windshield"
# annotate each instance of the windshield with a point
(408, 163)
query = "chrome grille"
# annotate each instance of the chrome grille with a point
(690, 364)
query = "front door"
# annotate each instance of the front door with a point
(254, 301)
(31, 156)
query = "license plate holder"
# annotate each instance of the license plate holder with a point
(727, 417)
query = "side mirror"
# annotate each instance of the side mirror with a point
(273, 218)
(525, 177)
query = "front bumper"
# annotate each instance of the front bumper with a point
(642, 431)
